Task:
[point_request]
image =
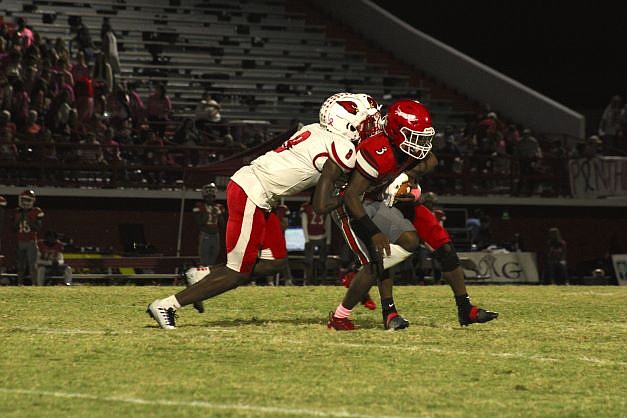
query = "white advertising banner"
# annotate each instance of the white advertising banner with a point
(620, 268)
(598, 177)
(500, 267)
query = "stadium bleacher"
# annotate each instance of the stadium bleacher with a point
(262, 61)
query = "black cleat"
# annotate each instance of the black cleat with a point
(475, 315)
(395, 322)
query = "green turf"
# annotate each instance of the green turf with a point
(91, 351)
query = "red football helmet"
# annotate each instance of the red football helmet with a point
(26, 199)
(408, 125)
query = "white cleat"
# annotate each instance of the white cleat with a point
(164, 315)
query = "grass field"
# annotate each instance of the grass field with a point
(91, 351)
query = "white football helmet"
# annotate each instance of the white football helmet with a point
(355, 116)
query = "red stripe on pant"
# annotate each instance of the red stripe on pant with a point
(350, 237)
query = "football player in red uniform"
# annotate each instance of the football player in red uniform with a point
(28, 223)
(209, 217)
(50, 260)
(404, 146)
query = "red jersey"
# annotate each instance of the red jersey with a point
(49, 252)
(28, 222)
(282, 211)
(212, 212)
(315, 223)
(378, 161)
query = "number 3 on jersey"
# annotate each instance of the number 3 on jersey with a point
(293, 141)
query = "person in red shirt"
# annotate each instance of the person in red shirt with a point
(402, 148)
(317, 231)
(28, 222)
(50, 261)
(210, 219)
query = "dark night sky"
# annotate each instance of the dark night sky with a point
(574, 54)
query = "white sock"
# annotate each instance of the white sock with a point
(172, 302)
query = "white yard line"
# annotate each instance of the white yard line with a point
(270, 410)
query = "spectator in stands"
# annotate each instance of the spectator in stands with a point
(81, 69)
(158, 109)
(20, 104)
(30, 77)
(118, 109)
(317, 231)
(83, 88)
(58, 113)
(211, 221)
(8, 147)
(25, 33)
(511, 136)
(28, 222)
(103, 78)
(111, 148)
(188, 136)
(610, 128)
(555, 268)
(6, 92)
(62, 67)
(158, 155)
(592, 147)
(50, 260)
(528, 154)
(32, 128)
(40, 98)
(109, 45)
(136, 105)
(82, 37)
(60, 49)
(90, 152)
(210, 121)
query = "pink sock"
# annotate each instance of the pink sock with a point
(342, 312)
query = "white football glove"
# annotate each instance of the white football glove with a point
(389, 196)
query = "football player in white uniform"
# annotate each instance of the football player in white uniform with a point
(253, 243)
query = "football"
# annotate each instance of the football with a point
(403, 189)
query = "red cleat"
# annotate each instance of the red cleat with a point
(347, 279)
(369, 303)
(340, 324)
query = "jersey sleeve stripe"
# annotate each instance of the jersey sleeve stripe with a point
(365, 168)
(338, 160)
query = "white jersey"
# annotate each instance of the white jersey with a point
(294, 166)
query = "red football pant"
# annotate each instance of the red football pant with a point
(249, 230)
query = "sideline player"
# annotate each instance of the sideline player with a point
(318, 150)
(403, 147)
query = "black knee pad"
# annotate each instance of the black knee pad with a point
(447, 257)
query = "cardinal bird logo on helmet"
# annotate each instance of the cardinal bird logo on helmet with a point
(350, 107)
